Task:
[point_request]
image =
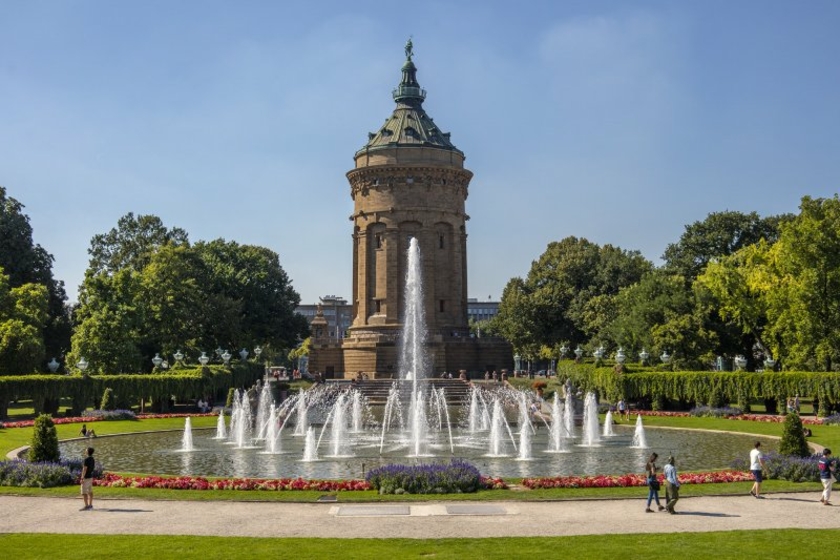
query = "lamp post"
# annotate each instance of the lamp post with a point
(643, 356)
(226, 357)
(203, 359)
(157, 360)
(53, 365)
(82, 364)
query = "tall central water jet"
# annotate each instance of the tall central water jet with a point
(413, 355)
(413, 351)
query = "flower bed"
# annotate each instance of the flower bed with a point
(105, 416)
(631, 480)
(111, 480)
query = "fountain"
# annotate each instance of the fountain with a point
(591, 436)
(264, 408)
(187, 439)
(272, 434)
(569, 414)
(493, 427)
(524, 429)
(608, 424)
(241, 421)
(557, 431)
(639, 440)
(310, 449)
(221, 430)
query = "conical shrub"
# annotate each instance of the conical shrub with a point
(44, 446)
(793, 437)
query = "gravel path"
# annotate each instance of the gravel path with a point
(417, 520)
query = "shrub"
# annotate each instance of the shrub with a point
(793, 437)
(456, 477)
(722, 412)
(108, 401)
(42, 475)
(110, 414)
(230, 397)
(833, 419)
(787, 467)
(44, 446)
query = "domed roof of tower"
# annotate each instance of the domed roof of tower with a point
(409, 125)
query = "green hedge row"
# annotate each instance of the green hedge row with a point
(87, 390)
(710, 388)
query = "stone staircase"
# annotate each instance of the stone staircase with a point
(376, 391)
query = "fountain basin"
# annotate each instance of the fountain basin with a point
(160, 453)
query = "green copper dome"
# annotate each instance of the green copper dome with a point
(409, 125)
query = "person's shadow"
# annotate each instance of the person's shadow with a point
(706, 514)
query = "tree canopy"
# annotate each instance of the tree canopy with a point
(149, 291)
(566, 294)
(25, 262)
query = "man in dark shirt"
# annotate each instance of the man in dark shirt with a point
(87, 479)
(827, 467)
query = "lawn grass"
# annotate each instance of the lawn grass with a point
(779, 544)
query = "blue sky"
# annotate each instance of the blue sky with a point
(617, 121)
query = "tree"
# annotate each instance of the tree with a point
(148, 291)
(659, 314)
(110, 323)
(793, 437)
(740, 284)
(566, 295)
(44, 445)
(132, 243)
(804, 302)
(26, 262)
(719, 235)
(23, 314)
(259, 295)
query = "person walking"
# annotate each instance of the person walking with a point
(653, 483)
(672, 485)
(756, 467)
(827, 465)
(88, 465)
(622, 409)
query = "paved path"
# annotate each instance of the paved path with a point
(420, 520)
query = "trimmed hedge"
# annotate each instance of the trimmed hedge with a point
(704, 388)
(88, 389)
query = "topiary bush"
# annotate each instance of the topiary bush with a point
(44, 446)
(108, 400)
(230, 397)
(793, 437)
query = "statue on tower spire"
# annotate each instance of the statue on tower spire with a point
(409, 46)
